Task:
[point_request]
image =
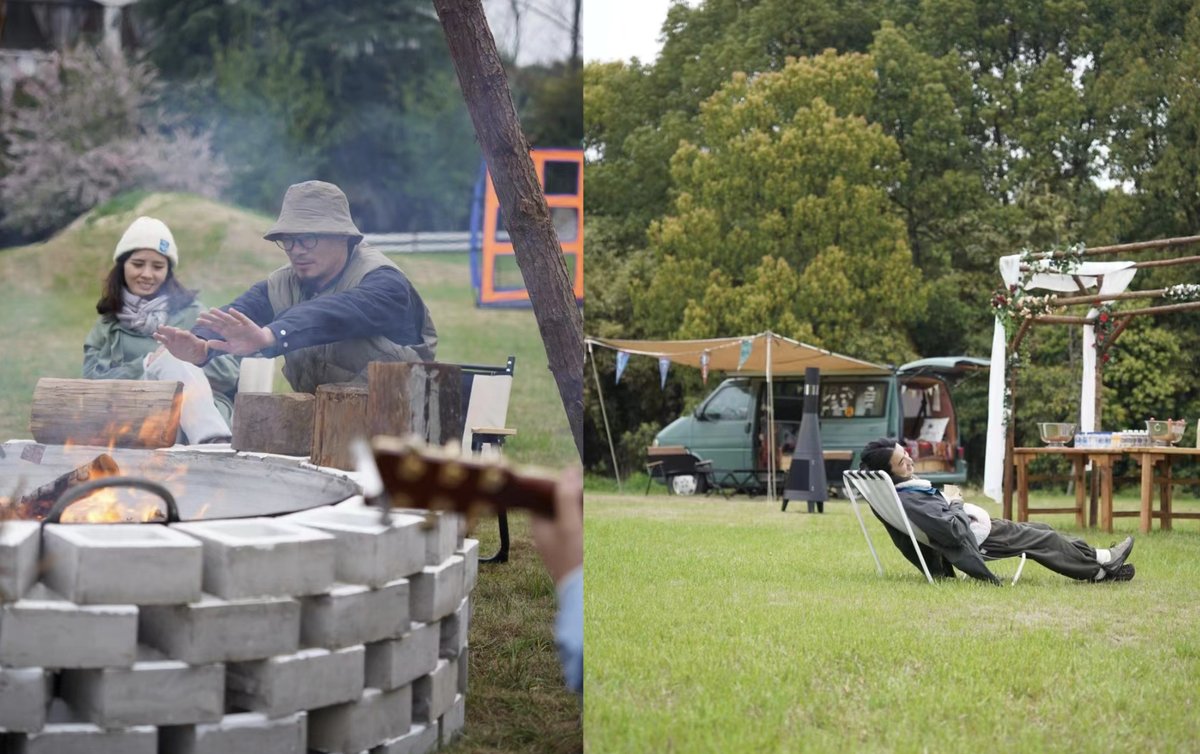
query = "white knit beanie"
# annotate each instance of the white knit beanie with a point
(148, 233)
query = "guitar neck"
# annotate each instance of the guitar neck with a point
(430, 477)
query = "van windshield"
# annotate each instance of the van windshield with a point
(731, 402)
(853, 399)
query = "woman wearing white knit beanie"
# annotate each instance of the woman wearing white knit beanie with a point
(140, 294)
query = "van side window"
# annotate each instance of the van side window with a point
(730, 403)
(849, 400)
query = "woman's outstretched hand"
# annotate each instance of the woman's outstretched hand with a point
(182, 344)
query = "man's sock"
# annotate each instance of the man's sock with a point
(1103, 556)
(1100, 575)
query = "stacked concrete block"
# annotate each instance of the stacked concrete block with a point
(19, 558)
(245, 636)
(451, 723)
(121, 564)
(369, 551)
(85, 738)
(434, 694)
(441, 538)
(216, 630)
(353, 614)
(470, 555)
(420, 739)
(437, 590)
(262, 557)
(153, 691)
(454, 631)
(239, 733)
(305, 680)
(44, 630)
(24, 696)
(399, 662)
(375, 717)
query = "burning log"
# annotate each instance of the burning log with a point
(120, 413)
(274, 423)
(340, 417)
(423, 399)
(36, 504)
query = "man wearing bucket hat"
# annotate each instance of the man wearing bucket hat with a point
(337, 306)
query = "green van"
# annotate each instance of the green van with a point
(913, 402)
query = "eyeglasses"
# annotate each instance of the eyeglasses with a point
(307, 241)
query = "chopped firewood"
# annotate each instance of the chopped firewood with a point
(38, 503)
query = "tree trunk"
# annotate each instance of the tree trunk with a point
(535, 243)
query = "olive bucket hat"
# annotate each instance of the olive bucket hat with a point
(314, 207)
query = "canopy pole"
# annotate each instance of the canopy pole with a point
(770, 430)
(604, 413)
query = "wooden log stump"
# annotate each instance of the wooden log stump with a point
(274, 423)
(108, 413)
(422, 399)
(339, 418)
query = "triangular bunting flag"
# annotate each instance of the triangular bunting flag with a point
(622, 362)
(704, 367)
(664, 364)
(747, 344)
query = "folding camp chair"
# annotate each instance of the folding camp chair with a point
(877, 489)
(670, 462)
(485, 393)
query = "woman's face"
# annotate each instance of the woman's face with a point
(145, 271)
(902, 463)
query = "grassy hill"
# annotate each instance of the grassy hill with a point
(48, 294)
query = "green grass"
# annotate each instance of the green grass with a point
(516, 701)
(728, 626)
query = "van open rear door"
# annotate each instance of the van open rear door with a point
(929, 422)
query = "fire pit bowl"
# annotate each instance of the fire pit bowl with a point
(205, 485)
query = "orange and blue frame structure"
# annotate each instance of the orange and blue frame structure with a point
(494, 273)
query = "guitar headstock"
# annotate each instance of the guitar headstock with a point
(415, 475)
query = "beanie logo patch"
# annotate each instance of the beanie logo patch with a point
(164, 246)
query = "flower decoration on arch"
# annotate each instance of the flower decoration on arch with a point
(1013, 305)
(1105, 326)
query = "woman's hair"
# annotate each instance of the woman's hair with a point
(877, 456)
(110, 302)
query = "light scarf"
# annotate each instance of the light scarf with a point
(142, 315)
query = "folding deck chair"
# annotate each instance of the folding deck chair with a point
(877, 489)
(485, 393)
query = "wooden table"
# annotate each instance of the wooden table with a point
(1102, 460)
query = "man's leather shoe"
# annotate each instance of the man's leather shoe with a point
(1120, 553)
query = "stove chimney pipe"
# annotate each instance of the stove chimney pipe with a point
(806, 477)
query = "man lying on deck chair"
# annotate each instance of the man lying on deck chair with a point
(961, 534)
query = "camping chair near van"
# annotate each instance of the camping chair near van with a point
(877, 489)
(485, 393)
(673, 463)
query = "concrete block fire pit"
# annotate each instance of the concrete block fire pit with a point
(286, 623)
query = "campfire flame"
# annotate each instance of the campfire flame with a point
(106, 507)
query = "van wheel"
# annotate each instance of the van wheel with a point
(686, 484)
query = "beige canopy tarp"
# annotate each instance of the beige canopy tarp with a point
(770, 355)
(787, 356)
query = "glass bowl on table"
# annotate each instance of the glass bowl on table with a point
(1056, 434)
(1166, 432)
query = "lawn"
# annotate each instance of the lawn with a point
(725, 625)
(516, 701)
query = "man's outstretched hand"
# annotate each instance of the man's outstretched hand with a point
(242, 336)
